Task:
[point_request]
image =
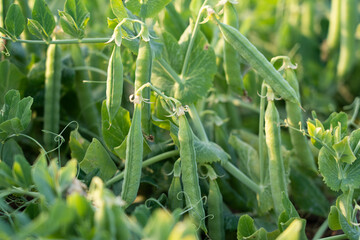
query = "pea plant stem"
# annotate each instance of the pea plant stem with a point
(61, 41)
(261, 133)
(321, 230)
(228, 166)
(197, 122)
(192, 39)
(146, 163)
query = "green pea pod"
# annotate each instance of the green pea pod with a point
(215, 208)
(231, 59)
(258, 61)
(134, 156)
(52, 93)
(334, 25)
(86, 102)
(114, 83)
(189, 173)
(175, 199)
(276, 163)
(142, 76)
(348, 21)
(294, 117)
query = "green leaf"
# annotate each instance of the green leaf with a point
(22, 171)
(10, 149)
(304, 191)
(329, 169)
(67, 174)
(146, 9)
(6, 175)
(42, 14)
(7, 33)
(74, 19)
(118, 9)
(245, 227)
(295, 231)
(343, 151)
(334, 119)
(15, 114)
(201, 68)
(43, 180)
(80, 205)
(355, 142)
(37, 30)
(115, 133)
(7, 83)
(97, 157)
(333, 218)
(15, 21)
(351, 232)
(78, 145)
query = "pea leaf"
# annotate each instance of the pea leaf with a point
(36, 29)
(343, 151)
(43, 20)
(97, 157)
(10, 149)
(75, 18)
(295, 230)
(7, 83)
(15, 21)
(118, 9)
(329, 168)
(43, 180)
(355, 142)
(78, 145)
(22, 171)
(198, 75)
(15, 114)
(333, 217)
(351, 232)
(115, 133)
(67, 174)
(246, 227)
(146, 9)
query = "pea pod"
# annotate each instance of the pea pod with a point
(294, 117)
(52, 93)
(348, 21)
(257, 61)
(215, 207)
(334, 25)
(134, 155)
(142, 76)
(276, 163)
(231, 59)
(175, 189)
(189, 173)
(114, 83)
(86, 102)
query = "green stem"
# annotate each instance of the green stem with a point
(170, 72)
(228, 166)
(261, 134)
(62, 41)
(24, 192)
(337, 237)
(192, 40)
(321, 230)
(146, 163)
(197, 122)
(89, 68)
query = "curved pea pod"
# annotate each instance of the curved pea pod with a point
(134, 156)
(276, 163)
(189, 174)
(231, 59)
(294, 117)
(175, 199)
(142, 76)
(52, 93)
(114, 83)
(348, 21)
(258, 61)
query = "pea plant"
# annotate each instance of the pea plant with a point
(181, 119)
